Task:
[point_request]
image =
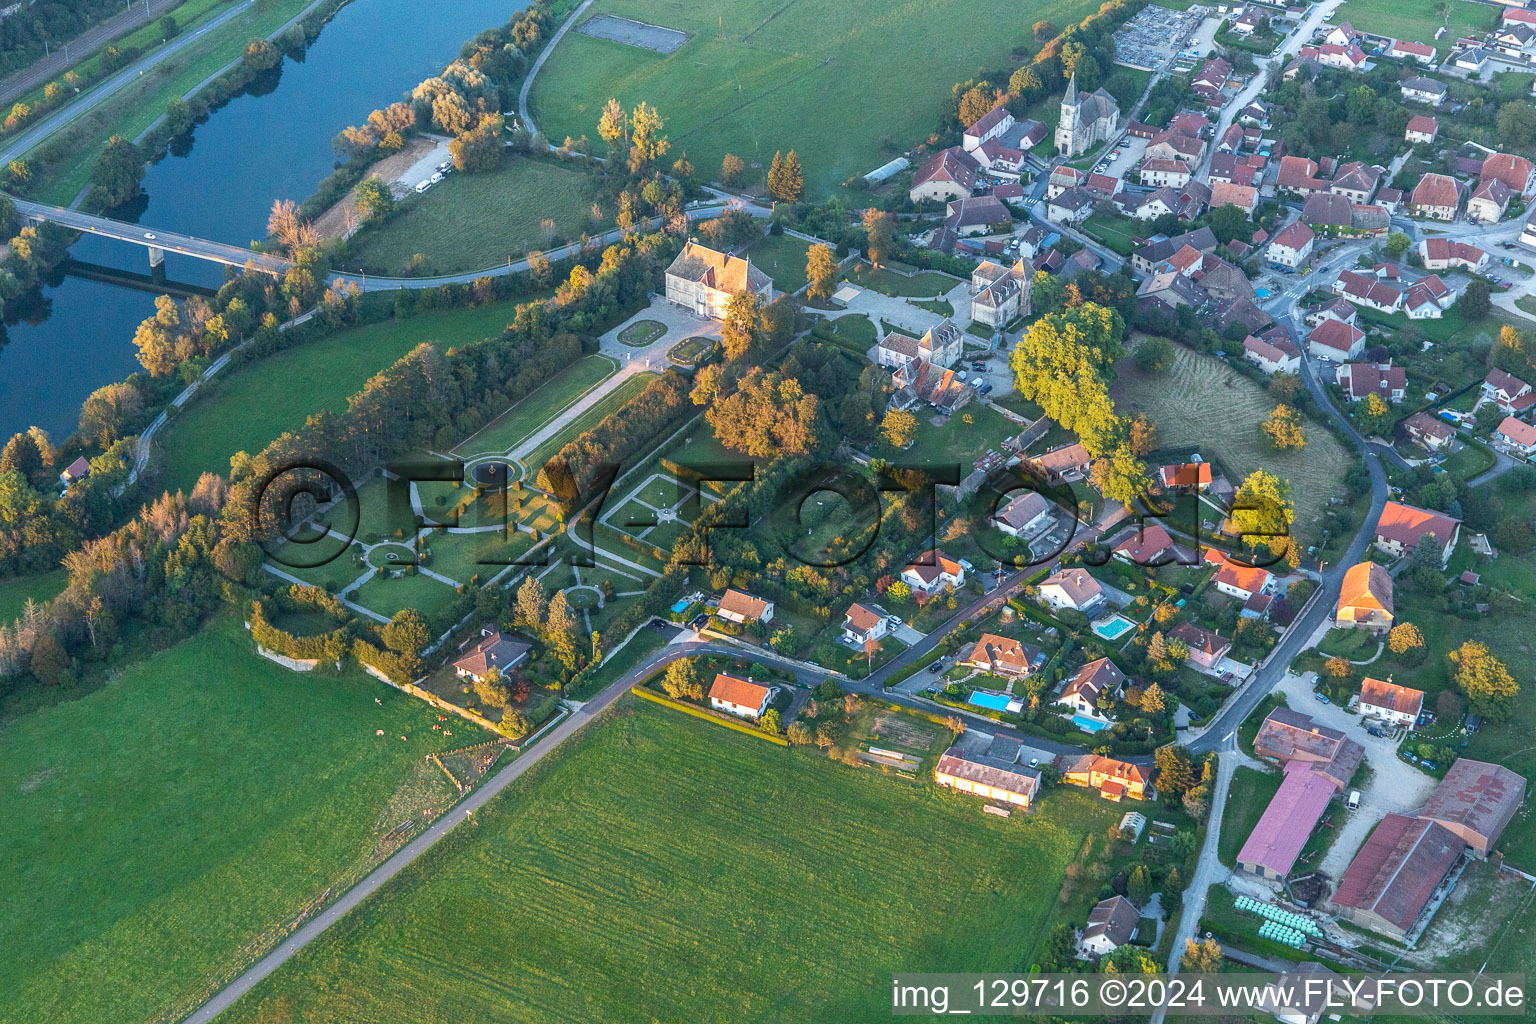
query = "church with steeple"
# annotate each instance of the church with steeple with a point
(1085, 121)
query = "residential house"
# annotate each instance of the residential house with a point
(1470, 58)
(1250, 21)
(1230, 169)
(932, 571)
(492, 656)
(1401, 528)
(1031, 134)
(1427, 299)
(1071, 207)
(1488, 202)
(1185, 477)
(1387, 382)
(1291, 246)
(940, 345)
(1419, 89)
(1511, 394)
(1169, 173)
(1074, 589)
(1514, 40)
(1286, 736)
(919, 381)
(1146, 259)
(1440, 253)
(1114, 779)
(1365, 599)
(1528, 232)
(1172, 146)
(1341, 34)
(703, 280)
(1407, 49)
(948, 174)
(1475, 800)
(740, 697)
(1004, 656)
(1390, 883)
(1241, 312)
(995, 774)
(1298, 175)
(1098, 678)
(1435, 197)
(1064, 177)
(978, 215)
(1366, 290)
(1356, 181)
(1429, 432)
(1000, 294)
(1389, 199)
(1231, 139)
(1211, 79)
(995, 124)
(1336, 340)
(77, 470)
(862, 626)
(1422, 128)
(1145, 545)
(1328, 213)
(1517, 434)
(1222, 281)
(1276, 356)
(1111, 924)
(1066, 463)
(1394, 704)
(1243, 581)
(1169, 289)
(1255, 113)
(1333, 309)
(1206, 648)
(1000, 160)
(740, 607)
(1024, 516)
(1102, 186)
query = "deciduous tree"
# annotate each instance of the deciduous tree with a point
(1490, 689)
(1285, 428)
(821, 271)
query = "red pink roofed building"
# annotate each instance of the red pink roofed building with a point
(1396, 874)
(495, 652)
(1422, 128)
(1401, 527)
(740, 607)
(1360, 380)
(1435, 197)
(1365, 599)
(1277, 356)
(1428, 298)
(1206, 648)
(704, 281)
(740, 697)
(1442, 254)
(1336, 340)
(1518, 14)
(948, 174)
(1243, 581)
(1517, 434)
(995, 124)
(1004, 656)
(1185, 476)
(1366, 290)
(932, 571)
(1244, 197)
(1407, 49)
(1067, 463)
(1291, 737)
(1292, 246)
(1384, 699)
(1476, 800)
(1113, 778)
(1148, 545)
(1298, 174)
(862, 625)
(1514, 171)
(1293, 812)
(1511, 394)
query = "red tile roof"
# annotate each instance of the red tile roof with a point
(742, 692)
(1381, 693)
(1478, 796)
(1407, 524)
(1436, 190)
(1513, 171)
(1337, 335)
(1294, 811)
(1398, 869)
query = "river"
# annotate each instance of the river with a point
(221, 183)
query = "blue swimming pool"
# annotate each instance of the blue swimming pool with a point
(995, 701)
(680, 607)
(1113, 627)
(1262, 293)
(1087, 724)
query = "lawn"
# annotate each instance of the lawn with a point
(15, 591)
(1204, 404)
(1119, 233)
(159, 826)
(781, 257)
(689, 350)
(475, 221)
(1249, 794)
(925, 284)
(248, 406)
(599, 411)
(1418, 21)
(765, 81)
(529, 415)
(968, 433)
(641, 333)
(799, 886)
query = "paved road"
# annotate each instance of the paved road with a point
(35, 135)
(82, 46)
(150, 238)
(533, 72)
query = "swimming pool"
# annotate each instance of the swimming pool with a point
(1262, 293)
(1113, 627)
(680, 607)
(1087, 724)
(995, 701)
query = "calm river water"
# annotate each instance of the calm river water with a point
(256, 149)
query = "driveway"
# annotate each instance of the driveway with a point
(1393, 785)
(903, 314)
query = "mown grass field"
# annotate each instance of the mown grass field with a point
(663, 868)
(15, 591)
(248, 407)
(1203, 403)
(1249, 794)
(476, 221)
(781, 257)
(761, 75)
(160, 824)
(1418, 22)
(599, 411)
(525, 418)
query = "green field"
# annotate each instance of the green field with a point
(925, 284)
(599, 411)
(16, 590)
(783, 76)
(1250, 793)
(244, 410)
(475, 221)
(1418, 22)
(663, 868)
(158, 826)
(526, 417)
(781, 257)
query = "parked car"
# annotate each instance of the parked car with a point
(1034, 762)
(1322, 697)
